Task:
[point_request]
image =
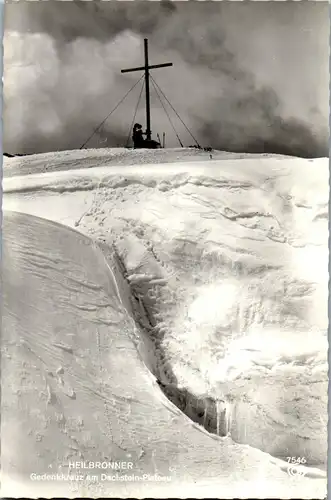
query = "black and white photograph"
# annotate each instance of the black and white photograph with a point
(165, 190)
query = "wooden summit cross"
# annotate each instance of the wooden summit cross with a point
(146, 68)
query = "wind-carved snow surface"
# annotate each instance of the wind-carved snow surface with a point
(197, 301)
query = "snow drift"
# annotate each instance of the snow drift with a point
(189, 321)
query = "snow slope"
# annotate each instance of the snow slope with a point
(210, 276)
(89, 158)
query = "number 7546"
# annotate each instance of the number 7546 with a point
(296, 460)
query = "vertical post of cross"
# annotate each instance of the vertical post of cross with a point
(148, 102)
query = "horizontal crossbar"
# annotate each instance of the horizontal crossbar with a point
(142, 68)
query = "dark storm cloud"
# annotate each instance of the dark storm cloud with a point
(88, 19)
(246, 77)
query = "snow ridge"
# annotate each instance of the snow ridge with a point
(207, 280)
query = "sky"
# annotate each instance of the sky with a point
(246, 76)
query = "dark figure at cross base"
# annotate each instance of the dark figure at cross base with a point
(139, 141)
(137, 136)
